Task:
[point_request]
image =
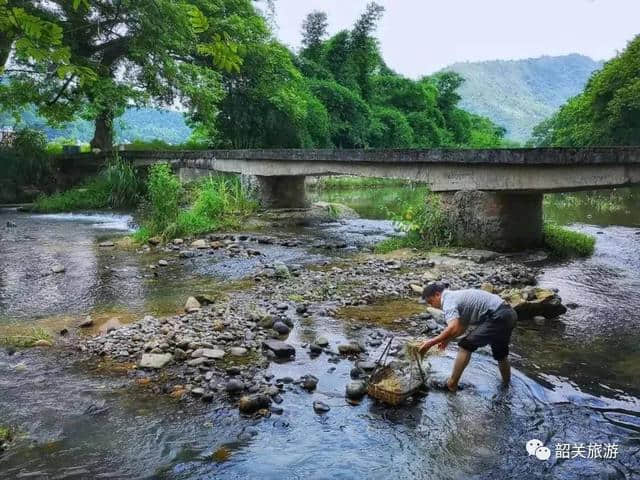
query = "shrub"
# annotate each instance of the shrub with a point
(219, 202)
(563, 242)
(26, 162)
(425, 225)
(164, 190)
(116, 186)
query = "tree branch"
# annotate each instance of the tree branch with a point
(64, 87)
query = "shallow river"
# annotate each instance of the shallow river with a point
(575, 382)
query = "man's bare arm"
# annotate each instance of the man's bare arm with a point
(454, 328)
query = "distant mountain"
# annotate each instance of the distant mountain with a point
(519, 94)
(136, 124)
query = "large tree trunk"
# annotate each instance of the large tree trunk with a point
(103, 135)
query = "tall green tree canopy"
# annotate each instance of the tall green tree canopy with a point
(98, 56)
(606, 113)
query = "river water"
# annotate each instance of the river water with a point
(576, 381)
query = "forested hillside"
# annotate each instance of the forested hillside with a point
(606, 113)
(519, 94)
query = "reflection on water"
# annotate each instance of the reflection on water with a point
(576, 380)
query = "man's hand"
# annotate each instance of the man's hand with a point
(443, 345)
(424, 348)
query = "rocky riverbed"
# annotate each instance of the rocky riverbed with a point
(220, 348)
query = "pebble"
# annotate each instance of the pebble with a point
(320, 407)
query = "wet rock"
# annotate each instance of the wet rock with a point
(163, 263)
(281, 270)
(266, 321)
(205, 299)
(279, 348)
(187, 254)
(197, 392)
(531, 302)
(155, 240)
(179, 354)
(322, 341)
(252, 403)
(234, 386)
(58, 268)
(64, 331)
(572, 305)
(276, 410)
(356, 373)
(539, 320)
(155, 360)
(196, 362)
(238, 351)
(192, 305)
(356, 390)
(366, 366)
(210, 353)
(87, 322)
(315, 349)
(106, 244)
(320, 407)
(309, 382)
(281, 328)
(350, 348)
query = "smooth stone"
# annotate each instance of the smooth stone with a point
(163, 263)
(155, 360)
(253, 403)
(355, 390)
(187, 254)
(349, 348)
(281, 328)
(238, 351)
(309, 382)
(366, 366)
(234, 386)
(320, 407)
(155, 240)
(86, 323)
(322, 341)
(212, 353)
(197, 392)
(192, 305)
(58, 268)
(315, 349)
(42, 343)
(106, 244)
(279, 348)
(199, 244)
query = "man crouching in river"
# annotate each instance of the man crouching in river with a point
(492, 318)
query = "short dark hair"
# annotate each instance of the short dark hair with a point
(432, 288)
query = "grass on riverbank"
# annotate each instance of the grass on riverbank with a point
(22, 337)
(346, 182)
(219, 202)
(116, 186)
(563, 243)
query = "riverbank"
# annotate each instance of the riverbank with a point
(139, 420)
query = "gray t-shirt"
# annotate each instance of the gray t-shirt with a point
(468, 305)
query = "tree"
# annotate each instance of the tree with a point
(607, 112)
(314, 29)
(140, 51)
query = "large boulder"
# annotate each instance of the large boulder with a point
(531, 302)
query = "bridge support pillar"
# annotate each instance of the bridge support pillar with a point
(282, 192)
(495, 221)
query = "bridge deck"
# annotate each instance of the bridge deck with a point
(512, 169)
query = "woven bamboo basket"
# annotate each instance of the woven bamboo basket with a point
(377, 390)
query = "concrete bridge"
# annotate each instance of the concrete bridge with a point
(494, 196)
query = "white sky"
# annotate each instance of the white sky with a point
(421, 36)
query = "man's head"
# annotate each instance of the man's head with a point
(432, 294)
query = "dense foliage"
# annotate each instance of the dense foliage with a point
(241, 88)
(519, 94)
(116, 186)
(97, 57)
(606, 113)
(219, 202)
(562, 242)
(23, 165)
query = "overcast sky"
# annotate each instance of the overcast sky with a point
(421, 36)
